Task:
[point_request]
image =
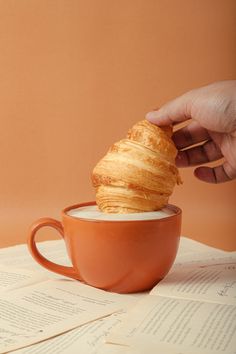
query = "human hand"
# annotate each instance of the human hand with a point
(212, 113)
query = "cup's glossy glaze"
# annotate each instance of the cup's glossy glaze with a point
(119, 256)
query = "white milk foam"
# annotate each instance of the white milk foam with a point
(91, 212)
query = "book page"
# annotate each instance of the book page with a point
(53, 250)
(52, 246)
(203, 257)
(43, 310)
(88, 338)
(188, 245)
(193, 251)
(110, 348)
(214, 282)
(12, 278)
(174, 326)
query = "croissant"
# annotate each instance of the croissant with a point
(138, 173)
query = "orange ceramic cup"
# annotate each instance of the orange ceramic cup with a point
(119, 256)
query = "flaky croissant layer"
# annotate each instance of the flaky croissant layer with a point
(138, 173)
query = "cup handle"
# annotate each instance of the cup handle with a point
(56, 268)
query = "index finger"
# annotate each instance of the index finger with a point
(175, 111)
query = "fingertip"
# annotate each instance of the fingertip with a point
(158, 118)
(205, 174)
(212, 174)
(153, 117)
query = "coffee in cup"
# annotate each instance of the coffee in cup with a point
(92, 212)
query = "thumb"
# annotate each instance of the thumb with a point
(175, 111)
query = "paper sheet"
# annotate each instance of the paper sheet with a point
(49, 308)
(12, 278)
(41, 298)
(85, 339)
(205, 281)
(109, 348)
(188, 245)
(175, 326)
(192, 310)
(203, 257)
(19, 255)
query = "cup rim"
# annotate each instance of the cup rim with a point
(177, 211)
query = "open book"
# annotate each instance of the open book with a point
(41, 312)
(193, 310)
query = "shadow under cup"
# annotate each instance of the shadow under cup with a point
(119, 256)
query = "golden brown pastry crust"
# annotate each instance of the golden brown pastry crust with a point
(138, 173)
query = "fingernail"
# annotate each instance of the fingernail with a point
(151, 116)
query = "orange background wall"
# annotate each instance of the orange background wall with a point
(75, 75)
